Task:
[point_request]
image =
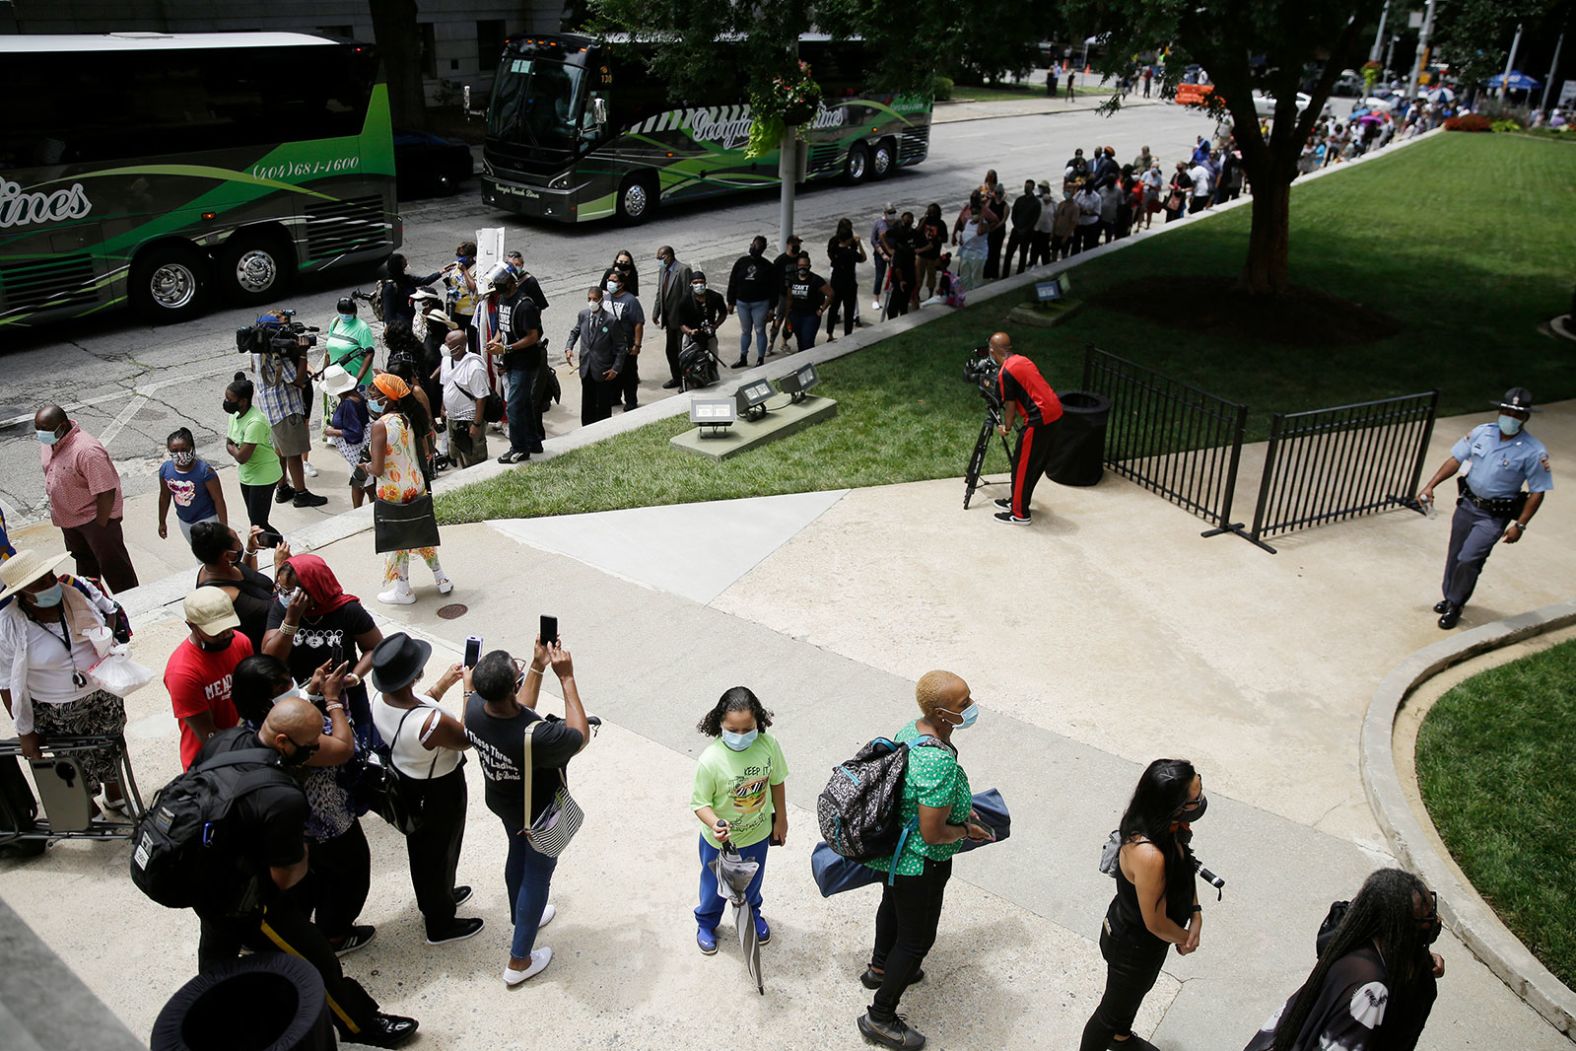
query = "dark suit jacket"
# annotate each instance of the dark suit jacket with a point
(669, 301)
(602, 343)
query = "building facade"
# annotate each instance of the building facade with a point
(460, 39)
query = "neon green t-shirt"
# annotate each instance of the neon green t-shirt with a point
(737, 786)
(933, 778)
(348, 344)
(252, 427)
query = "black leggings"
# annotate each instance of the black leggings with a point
(1131, 967)
(340, 875)
(259, 500)
(434, 846)
(846, 298)
(905, 930)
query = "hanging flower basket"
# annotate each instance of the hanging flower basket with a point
(789, 100)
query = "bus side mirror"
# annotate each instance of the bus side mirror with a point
(599, 110)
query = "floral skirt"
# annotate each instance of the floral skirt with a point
(99, 714)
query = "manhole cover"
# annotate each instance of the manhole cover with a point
(453, 611)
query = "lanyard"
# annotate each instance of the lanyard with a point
(64, 638)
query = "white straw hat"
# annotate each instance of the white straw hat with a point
(24, 567)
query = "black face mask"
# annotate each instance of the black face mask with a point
(804, 271)
(236, 555)
(299, 757)
(1431, 929)
(231, 407)
(217, 645)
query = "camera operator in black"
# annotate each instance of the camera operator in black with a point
(517, 342)
(700, 313)
(1023, 392)
(1156, 902)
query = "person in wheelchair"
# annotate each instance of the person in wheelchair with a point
(702, 311)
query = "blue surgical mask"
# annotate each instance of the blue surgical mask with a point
(347, 318)
(739, 742)
(284, 599)
(48, 598)
(613, 287)
(970, 716)
(1509, 426)
(374, 405)
(50, 437)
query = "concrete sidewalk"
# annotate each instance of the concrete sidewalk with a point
(1107, 634)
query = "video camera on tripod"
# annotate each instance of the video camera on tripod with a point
(276, 332)
(981, 370)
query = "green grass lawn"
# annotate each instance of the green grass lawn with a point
(1494, 765)
(1467, 241)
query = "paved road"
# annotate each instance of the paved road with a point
(132, 384)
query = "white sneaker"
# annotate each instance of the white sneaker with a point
(311, 472)
(540, 958)
(445, 585)
(399, 595)
(548, 912)
(875, 304)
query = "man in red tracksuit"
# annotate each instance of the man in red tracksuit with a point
(1023, 392)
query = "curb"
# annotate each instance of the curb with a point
(1460, 905)
(173, 588)
(1029, 113)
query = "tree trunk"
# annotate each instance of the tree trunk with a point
(1265, 273)
(399, 45)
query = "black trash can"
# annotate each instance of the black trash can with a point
(269, 1002)
(1078, 439)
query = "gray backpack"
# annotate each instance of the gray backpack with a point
(860, 807)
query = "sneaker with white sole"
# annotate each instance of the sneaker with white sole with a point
(548, 912)
(458, 931)
(1001, 516)
(540, 958)
(306, 465)
(398, 595)
(1002, 504)
(445, 585)
(358, 938)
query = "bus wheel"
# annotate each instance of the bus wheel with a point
(637, 199)
(884, 159)
(858, 165)
(254, 268)
(169, 282)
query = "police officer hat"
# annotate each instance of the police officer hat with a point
(1517, 398)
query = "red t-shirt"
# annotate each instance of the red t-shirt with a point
(199, 681)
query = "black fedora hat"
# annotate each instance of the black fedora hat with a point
(1517, 398)
(398, 661)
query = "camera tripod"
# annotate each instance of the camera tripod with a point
(971, 481)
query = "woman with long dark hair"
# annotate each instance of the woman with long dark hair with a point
(1156, 901)
(844, 252)
(1374, 975)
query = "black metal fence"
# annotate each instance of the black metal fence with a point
(1332, 464)
(1175, 440)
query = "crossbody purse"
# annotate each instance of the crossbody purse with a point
(550, 833)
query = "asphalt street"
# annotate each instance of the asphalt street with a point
(131, 384)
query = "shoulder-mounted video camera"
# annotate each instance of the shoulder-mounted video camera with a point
(276, 332)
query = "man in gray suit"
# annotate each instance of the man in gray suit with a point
(604, 349)
(673, 278)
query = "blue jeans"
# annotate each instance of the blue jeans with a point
(709, 911)
(805, 327)
(752, 316)
(528, 875)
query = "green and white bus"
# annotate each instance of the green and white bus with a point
(579, 129)
(168, 170)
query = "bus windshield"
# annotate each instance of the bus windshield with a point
(538, 102)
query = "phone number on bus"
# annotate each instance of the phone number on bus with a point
(296, 169)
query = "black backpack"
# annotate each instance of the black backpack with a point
(183, 855)
(860, 807)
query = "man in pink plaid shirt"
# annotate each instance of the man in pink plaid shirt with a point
(84, 498)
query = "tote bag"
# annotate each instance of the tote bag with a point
(404, 527)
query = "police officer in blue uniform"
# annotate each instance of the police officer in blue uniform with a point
(1497, 457)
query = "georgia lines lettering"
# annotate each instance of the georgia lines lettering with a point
(20, 209)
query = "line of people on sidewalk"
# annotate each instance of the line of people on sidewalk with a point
(272, 679)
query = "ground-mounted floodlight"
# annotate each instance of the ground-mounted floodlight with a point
(713, 415)
(1053, 290)
(751, 399)
(797, 383)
